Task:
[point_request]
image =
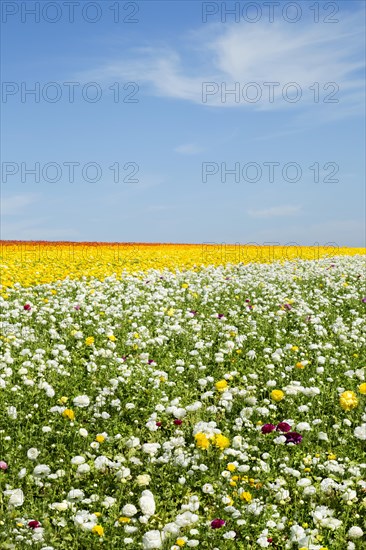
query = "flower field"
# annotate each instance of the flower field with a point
(172, 401)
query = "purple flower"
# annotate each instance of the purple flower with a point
(178, 421)
(3, 465)
(220, 315)
(293, 437)
(150, 361)
(77, 307)
(193, 311)
(283, 427)
(364, 300)
(267, 428)
(217, 523)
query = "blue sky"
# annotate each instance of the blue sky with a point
(180, 132)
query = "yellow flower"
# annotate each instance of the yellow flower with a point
(231, 467)
(348, 400)
(112, 338)
(331, 456)
(246, 496)
(185, 285)
(98, 530)
(362, 388)
(277, 395)
(180, 542)
(221, 441)
(170, 312)
(100, 438)
(221, 385)
(68, 413)
(239, 351)
(202, 441)
(136, 335)
(162, 378)
(89, 341)
(294, 348)
(299, 365)
(63, 400)
(124, 519)
(98, 514)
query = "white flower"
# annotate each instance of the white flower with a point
(303, 427)
(132, 442)
(355, 532)
(83, 469)
(108, 502)
(208, 489)
(59, 506)
(230, 535)
(171, 528)
(83, 432)
(81, 401)
(76, 460)
(41, 470)
(151, 448)
(16, 497)
(12, 412)
(152, 539)
(328, 486)
(143, 479)
(147, 503)
(32, 453)
(85, 520)
(360, 432)
(129, 510)
(304, 482)
(75, 494)
(102, 463)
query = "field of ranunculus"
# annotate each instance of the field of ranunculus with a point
(218, 407)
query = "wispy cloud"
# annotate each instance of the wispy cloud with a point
(14, 205)
(261, 53)
(275, 211)
(189, 149)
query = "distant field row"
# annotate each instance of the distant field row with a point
(36, 262)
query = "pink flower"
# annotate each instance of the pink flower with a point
(27, 307)
(77, 307)
(34, 524)
(178, 422)
(267, 428)
(3, 465)
(283, 427)
(217, 523)
(159, 424)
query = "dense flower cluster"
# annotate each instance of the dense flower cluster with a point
(37, 262)
(221, 408)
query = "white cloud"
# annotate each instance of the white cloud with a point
(304, 53)
(281, 211)
(189, 149)
(14, 205)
